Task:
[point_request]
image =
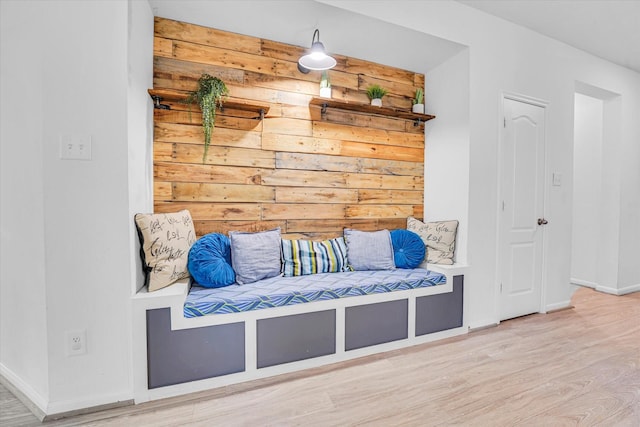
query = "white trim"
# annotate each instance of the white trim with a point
(526, 99)
(558, 306)
(92, 404)
(581, 282)
(483, 324)
(618, 292)
(29, 397)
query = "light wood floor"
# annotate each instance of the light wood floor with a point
(573, 367)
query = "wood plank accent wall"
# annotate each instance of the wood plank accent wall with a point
(309, 174)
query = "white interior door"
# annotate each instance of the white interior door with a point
(521, 219)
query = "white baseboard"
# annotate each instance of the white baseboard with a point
(45, 410)
(621, 291)
(606, 289)
(557, 306)
(70, 408)
(483, 324)
(26, 394)
(581, 282)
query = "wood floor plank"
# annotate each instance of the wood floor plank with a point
(578, 367)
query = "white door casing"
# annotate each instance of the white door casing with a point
(521, 210)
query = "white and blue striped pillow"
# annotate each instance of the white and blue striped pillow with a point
(301, 257)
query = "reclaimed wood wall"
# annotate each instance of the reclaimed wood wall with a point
(309, 174)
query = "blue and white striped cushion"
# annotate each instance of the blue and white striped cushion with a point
(302, 257)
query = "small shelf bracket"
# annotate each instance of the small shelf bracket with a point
(261, 114)
(156, 103)
(417, 122)
(323, 109)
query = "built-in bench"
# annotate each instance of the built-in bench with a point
(177, 355)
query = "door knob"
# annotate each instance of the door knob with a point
(542, 221)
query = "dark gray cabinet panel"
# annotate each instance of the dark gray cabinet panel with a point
(297, 337)
(440, 312)
(373, 324)
(185, 355)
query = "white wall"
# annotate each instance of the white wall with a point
(587, 188)
(447, 147)
(629, 247)
(23, 294)
(70, 76)
(139, 125)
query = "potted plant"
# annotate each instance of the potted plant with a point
(375, 94)
(418, 101)
(210, 94)
(325, 85)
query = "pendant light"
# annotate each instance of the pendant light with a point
(316, 58)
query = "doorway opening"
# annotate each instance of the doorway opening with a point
(596, 187)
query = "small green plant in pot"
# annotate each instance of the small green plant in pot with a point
(418, 101)
(375, 94)
(210, 95)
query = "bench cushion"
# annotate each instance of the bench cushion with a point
(283, 291)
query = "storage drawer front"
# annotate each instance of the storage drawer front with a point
(372, 324)
(440, 312)
(297, 337)
(185, 355)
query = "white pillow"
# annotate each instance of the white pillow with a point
(439, 238)
(165, 239)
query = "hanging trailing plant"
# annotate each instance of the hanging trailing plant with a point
(210, 94)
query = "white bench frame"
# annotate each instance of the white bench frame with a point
(174, 296)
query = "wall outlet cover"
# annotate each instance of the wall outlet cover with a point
(76, 342)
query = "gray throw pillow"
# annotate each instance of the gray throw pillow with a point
(255, 256)
(369, 250)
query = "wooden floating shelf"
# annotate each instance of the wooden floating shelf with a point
(260, 108)
(325, 103)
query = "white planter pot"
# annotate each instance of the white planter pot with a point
(418, 108)
(325, 92)
(377, 102)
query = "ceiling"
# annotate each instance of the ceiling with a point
(609, 29)
(293, 22)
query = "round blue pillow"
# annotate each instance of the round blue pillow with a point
(408, 248)
(210, 261)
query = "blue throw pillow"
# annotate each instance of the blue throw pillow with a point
(210, 261)
(408, 248)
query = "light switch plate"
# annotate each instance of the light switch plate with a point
(557, 179)
(75, 147)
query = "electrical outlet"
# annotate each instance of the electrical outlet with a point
(75, 147)
(76, 342)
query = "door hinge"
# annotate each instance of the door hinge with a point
(500, 287)
(505, 122)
